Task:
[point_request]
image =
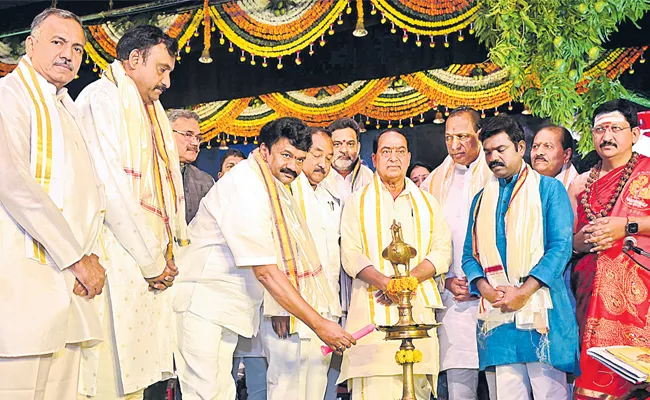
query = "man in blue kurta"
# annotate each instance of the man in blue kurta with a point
(517, 245)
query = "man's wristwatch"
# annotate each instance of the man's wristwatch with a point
(631, 228)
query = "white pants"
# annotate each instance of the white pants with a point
(514, 381)
(45, 377)
(388, 387)
(297, 369)
(462, 384)
(204, 359)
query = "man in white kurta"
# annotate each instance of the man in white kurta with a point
(51, 211)
(244, 236)
(346, 176)
(297, 369)
(133, 147)
(454, 184)
(365, 232)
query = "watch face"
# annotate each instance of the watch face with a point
(632, 228)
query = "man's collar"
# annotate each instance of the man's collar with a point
(462, 167)
(407, 187)
(50, 87)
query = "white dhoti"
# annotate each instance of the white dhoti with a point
(458, 351)
(297, 369)
(389, 387)
(204, 358)
(516, 381)
(45, 377)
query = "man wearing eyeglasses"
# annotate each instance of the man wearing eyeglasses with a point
(551, 154)
(196, 183)
(365, 232)
(454, 184)
(611, 203)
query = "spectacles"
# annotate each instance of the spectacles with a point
(189, 136)
(601, 129)
(387, 151)
(461, 137)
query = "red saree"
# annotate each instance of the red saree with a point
(612, 292)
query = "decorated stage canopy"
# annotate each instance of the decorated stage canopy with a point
(560, 71)
(387, 101)
(258, 30)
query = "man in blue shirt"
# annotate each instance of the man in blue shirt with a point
(517, 245)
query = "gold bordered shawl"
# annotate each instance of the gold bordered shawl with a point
(47, 155)
(297, 256)
(376, 236)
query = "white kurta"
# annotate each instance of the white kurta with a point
(142, 319)
(373, 356)
(567, 175)
(40, 313)
(218, 290)
(297, 369)
(232, 231)
(343, 187)
(457, 333)
(322, 210)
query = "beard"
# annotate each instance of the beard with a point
(343, 164)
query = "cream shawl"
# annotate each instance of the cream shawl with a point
(525, 238)
(297, 256)
(153, 164)
(439, 181)
(376, 236)
(46, 147)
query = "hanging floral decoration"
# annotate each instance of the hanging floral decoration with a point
(262, 30)
(350, 101)
(426, 19)
(277, 30)
(103, 38)
(612, 64)
(11, 49)
(395, 100)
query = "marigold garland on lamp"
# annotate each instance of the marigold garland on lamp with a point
(406, 329)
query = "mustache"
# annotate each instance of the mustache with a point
(541, 158)
(162, 88)
(321, 170)
(608, 143)
(64, 63)
(193, 147)
(289, 172)
(493, 164)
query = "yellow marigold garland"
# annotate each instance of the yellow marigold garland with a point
(408, 356)
(423, 27)
(397, 285)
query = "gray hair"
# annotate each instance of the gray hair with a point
(177, 113)
(40, 18)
